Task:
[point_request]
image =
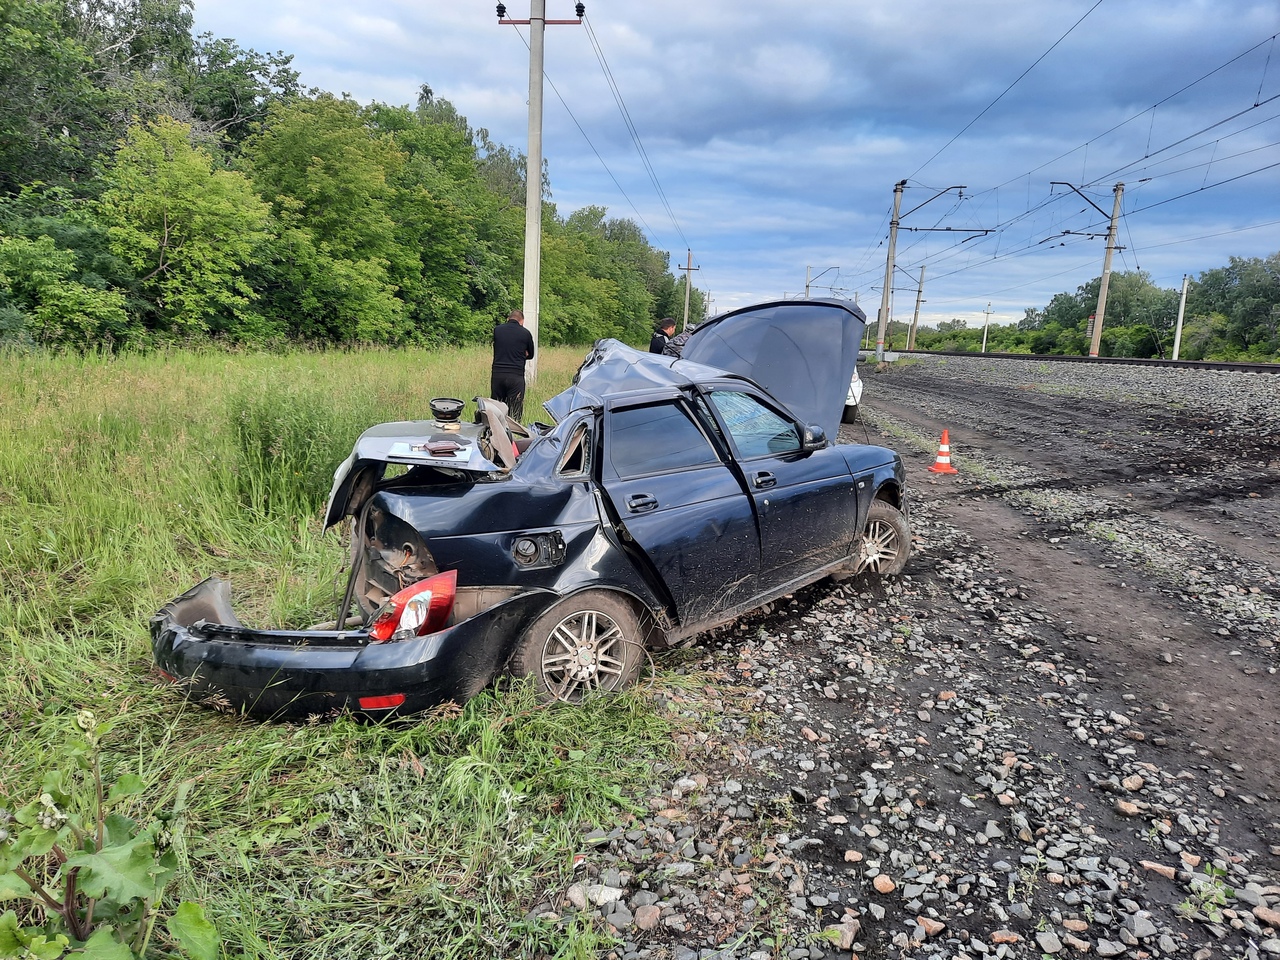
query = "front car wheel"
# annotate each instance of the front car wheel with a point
(886, 540)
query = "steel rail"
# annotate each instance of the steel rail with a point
(1132, 361)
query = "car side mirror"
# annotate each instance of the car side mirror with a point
(815, 438)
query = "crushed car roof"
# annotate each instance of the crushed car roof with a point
(803, 352)
(612, 368)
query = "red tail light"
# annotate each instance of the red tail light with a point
(388, 702)
(416, 610)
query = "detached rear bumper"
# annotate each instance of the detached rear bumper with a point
(285, 674)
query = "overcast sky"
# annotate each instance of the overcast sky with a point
(776, 131)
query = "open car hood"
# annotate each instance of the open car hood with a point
(803, 352)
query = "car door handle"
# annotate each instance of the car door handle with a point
(642, 502)
(764, 479)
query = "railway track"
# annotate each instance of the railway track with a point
(1060, 358)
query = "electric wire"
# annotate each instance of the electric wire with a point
(1201, 146)
(1158, 103)
(1213, 126)
(1001, 228)
(1214, 236)
(1181, 196)
(570, 112)
(631, 127)
(1006, 89)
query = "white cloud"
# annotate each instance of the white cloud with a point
(778, 131)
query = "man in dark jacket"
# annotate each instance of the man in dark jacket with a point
(512, 346)
(666, 327)
(675, 346)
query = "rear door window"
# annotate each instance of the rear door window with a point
(656, 438)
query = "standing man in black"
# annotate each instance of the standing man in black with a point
(512, 346)
(666, 327)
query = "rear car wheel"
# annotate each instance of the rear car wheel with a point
(585, 644)
(850, 414)
(886, 541)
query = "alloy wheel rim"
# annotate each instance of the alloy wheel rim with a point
(583, 654)
(879, 546)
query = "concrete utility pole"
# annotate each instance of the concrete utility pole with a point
(533, 167)
(1095, 342)
(985, 325)
(688, 269)
(882, 321)
(1182, 309)
(915, 320)
(882, 324)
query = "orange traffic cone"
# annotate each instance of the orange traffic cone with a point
(943, 462)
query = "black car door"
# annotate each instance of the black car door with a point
(678, 499)
(807, 503)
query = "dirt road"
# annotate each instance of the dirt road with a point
(1149, 523)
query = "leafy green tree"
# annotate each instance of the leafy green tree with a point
(187, 228)
(136, 46)
(439, 203)
(51, 113)
(576, 306)
(330, 180)
(228, 89)
(43, 303)
(320, 156)
(1069, 310)
(1246, 293)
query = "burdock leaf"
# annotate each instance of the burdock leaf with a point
(195, 934)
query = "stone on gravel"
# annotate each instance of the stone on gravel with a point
(930, 926)
(844, 935)
(1048, 941)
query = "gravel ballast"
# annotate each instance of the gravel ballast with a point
(1054, 735)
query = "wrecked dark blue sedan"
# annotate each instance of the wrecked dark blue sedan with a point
(668, 496)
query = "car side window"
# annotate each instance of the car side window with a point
(657, 438)
(757, 430)
(575, 461)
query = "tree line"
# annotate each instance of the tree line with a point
(1232, 313)
(162, 187)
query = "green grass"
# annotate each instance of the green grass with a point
(123, 481)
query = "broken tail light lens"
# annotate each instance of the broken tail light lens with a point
(416, 610)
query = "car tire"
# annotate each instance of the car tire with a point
(886, 541)
(585, 644)
(850, 414)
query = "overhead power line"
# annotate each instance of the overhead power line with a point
(1181, 140)
(1006, 90)
(631, 128)
(569, 111)
(1240, 176)
(1157, 104)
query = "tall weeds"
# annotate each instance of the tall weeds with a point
(125, 480)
